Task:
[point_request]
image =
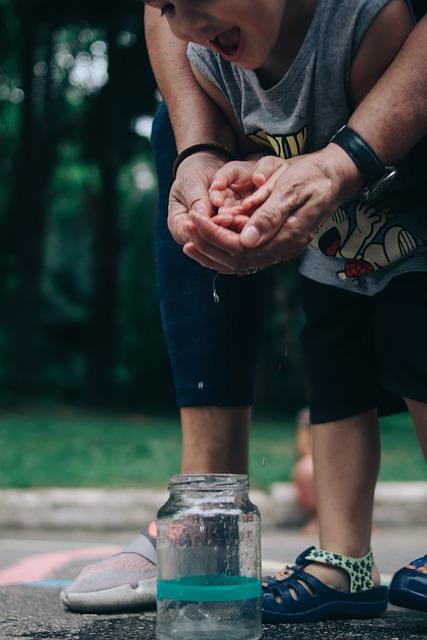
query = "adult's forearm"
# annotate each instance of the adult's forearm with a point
(393, 117)
(194, 116)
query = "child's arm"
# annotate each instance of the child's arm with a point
(239, 187)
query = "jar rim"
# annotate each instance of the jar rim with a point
(208, 481)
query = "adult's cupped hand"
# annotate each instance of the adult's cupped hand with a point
(274, 218)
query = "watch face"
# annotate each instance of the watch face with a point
(374, 190)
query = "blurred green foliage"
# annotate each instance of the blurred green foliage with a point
(79, 313)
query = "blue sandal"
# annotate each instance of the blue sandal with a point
(409, 586)
(297, 596)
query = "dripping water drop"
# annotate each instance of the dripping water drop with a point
(214, 291)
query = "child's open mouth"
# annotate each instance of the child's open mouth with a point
(229, 43)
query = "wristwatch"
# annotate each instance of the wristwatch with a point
(376, 175)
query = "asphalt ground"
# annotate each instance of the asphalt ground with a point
(34, 565)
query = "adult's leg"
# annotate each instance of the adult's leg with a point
(401, 319)
(213, 346)
(408, 587)
(215, 439)
(405, 371)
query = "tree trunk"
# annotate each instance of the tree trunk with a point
(100, 387)
(34, 170)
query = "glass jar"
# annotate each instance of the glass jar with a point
(209, 560)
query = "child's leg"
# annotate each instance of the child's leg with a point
(418, 411)
(340, 351)
(338, 579)
(346, 456)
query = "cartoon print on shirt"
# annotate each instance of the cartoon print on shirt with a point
(286, 146)
(337, 238)
(369, 220)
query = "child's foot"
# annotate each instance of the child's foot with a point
(323, 585)
(123, 582)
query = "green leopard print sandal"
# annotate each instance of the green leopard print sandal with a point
(298, 596)
(358, 570)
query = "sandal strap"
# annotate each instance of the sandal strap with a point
(359, 570)
(420, 564)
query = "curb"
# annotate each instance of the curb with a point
(396, 504)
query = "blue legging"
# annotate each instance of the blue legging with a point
(213, 347)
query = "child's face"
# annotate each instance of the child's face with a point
(241, 31)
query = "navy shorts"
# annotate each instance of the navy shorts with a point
(363, 352)
(213, 347)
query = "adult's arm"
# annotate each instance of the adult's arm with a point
(393, 116)
(195, 119)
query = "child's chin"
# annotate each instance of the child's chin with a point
(254, 63)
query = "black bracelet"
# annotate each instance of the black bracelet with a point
(198, 148)
(376, 175)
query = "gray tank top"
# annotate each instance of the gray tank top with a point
(361, 246)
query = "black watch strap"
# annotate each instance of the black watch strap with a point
(363, 156)
(376, 175)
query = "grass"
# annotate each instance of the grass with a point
(75, 450)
